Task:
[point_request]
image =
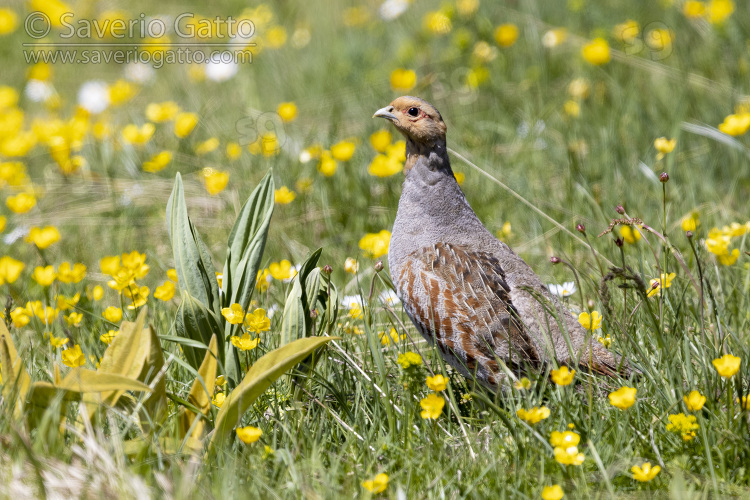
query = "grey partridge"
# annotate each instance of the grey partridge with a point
(466, 291)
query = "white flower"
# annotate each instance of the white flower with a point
(305, 156)
(389, 298)
(139, 72)
(564, 290)
(218, 70)
(350, 301)
(391, 9)
(38, 91)
(93, 96)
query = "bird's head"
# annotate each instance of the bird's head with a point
(416, 118)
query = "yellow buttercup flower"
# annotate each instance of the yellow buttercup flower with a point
(719, 11)
(45, 276)
(432, 406)
(694, 9)
(735, 124)
(409, 360)
(744, 402)
(380, 140)
(564, 439)
(165, 292)
(506, 35)
(157, 162)
(184, 124)
(403, 80)
(112, 314)
(108, 337)
(522, 384)
(233, 314)
(263, 280)
(690, 222)
(591, 321)
(568, 455)
(437, 383)
(327, 164)
(43, 237)
(73, 319)
(20, 317)
(73, 357)
(343, 150)
(162, 112)
(554, 492)
(287, 111)
(218, 399)
(596, 52)
(664, 146)
(257, 321)
(248, 434)
(392, 337)
(629, 235)
(95, 293)
(233, 151)
(658, 284)
(376, 485)
(727, 365)
(215, 180)
(645, 472)
(694, 401)
(207, 146)
(21, 203)
(133, 134)
(563, 376)
(137, 295)
(533, 415)
(64, 303)
(623, 398)
(682, 424)
(57, 342)
(121, 91)
(245, 343)
(384, 166)
(437, 23)
(282, 270)
(284, 195)
(71, 273)
(8, 21)
(375, 245)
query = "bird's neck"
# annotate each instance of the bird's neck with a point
(432, 207)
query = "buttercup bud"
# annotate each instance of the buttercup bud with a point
(620, 209)
(378, 266)
(664, 177)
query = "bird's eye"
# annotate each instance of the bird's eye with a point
(413, 111)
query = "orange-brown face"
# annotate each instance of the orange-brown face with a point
(416, 118)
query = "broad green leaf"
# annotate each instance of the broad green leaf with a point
(259, 377)
(16, 380)
(196, 322)
(195, 269)
(296, 322)
(83, 380)
(246, 243)
(245, 246)
(135, 354)
(200, 393)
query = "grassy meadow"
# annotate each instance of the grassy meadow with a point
(604, 141)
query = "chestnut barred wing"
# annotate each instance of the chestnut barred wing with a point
(458, 298)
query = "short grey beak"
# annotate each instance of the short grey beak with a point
(387, 113)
